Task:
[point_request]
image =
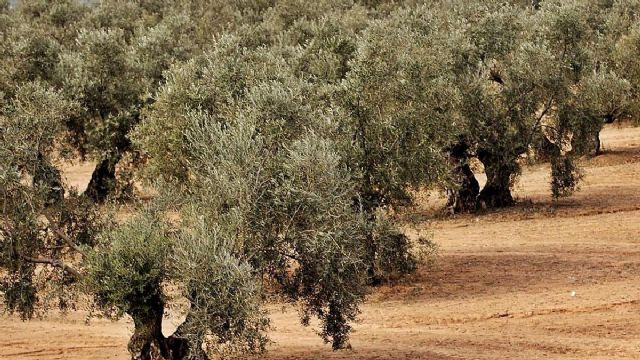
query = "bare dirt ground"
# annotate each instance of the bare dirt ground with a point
(501, 288)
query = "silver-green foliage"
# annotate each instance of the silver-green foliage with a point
(35, 226)
(278, 134)
(281, 196)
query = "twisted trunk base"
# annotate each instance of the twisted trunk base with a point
(148, 342)
(103, 180)
(463, 199)
(497, 191)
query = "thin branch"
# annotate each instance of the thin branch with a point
(64, 236)
(75, 274)
(544, 111)
(539, 118)
(536, 125)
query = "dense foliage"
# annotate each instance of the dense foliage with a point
(277, 138)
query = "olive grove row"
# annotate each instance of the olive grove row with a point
(275, 136)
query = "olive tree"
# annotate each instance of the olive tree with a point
(261, 179)
(269, 211)
(49, 45)
(61, 19)
(38, 228)
(523, 87)
(626, 65)
(278, 136)
(109, 58)
(296, 228)
(614, 22)
(398, 102)
(99, 76)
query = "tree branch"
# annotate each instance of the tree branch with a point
(536, 125)
(539, 119)
(64, 236)
(544, 112)
(75, 274)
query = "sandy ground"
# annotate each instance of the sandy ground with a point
(502, 287)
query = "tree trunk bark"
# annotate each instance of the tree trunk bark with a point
(368, 202)
(598, 144)
(463, 199)
(103, 180)
(373, 278)
(497, 191)
(148, 342)
(608, 119)
(369, 206)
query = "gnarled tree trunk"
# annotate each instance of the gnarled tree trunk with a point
(369, 202)
(103, 179)
(497, 191)
(608, 119)
(463, 198)
(598, 144)
(148, 342)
